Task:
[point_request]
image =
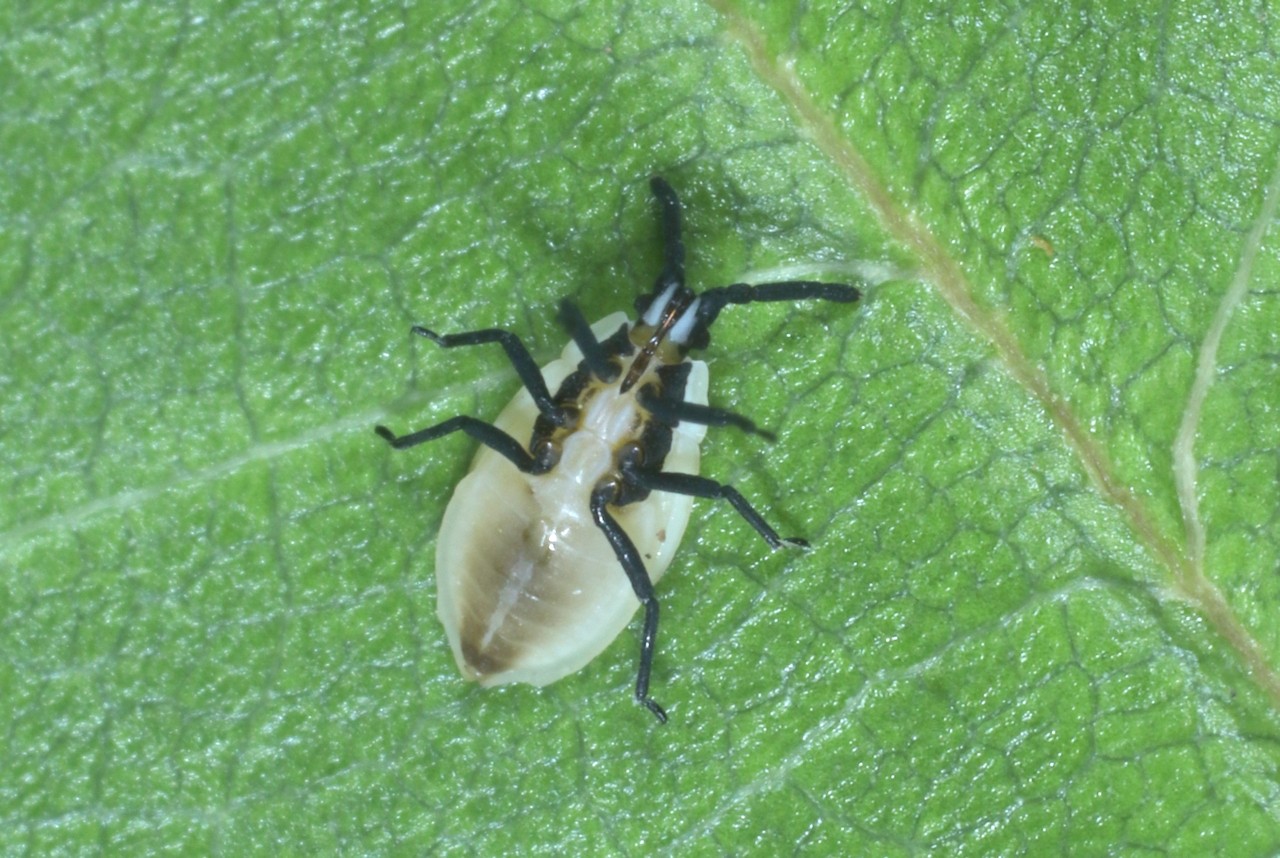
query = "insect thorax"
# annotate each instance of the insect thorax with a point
(612, 423)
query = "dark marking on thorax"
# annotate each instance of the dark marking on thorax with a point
(572, 390)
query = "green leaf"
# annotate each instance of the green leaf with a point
(1038, 463)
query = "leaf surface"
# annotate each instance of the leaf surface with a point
(1038, 463)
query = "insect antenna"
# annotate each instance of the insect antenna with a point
(672, 241)
(716, 299)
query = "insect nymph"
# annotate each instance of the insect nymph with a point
(546, 551)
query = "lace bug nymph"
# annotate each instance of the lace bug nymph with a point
(547, 550)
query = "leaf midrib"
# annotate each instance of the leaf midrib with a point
(1187, 578)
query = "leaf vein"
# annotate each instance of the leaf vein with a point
(941, 270)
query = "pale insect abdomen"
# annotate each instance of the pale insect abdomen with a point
(536, 593)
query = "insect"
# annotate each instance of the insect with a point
(546, 551)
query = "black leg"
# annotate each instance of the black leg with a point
(491, 436)
(701, 487)
(629, 557)
(586, 341)
(672, 412)
(530, 375)
(672, 243)
(715, 300)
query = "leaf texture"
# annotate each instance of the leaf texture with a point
(1038, 463)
